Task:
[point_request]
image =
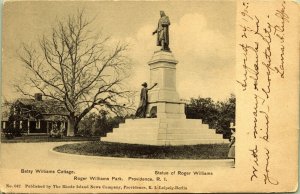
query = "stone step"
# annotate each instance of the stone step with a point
(165, 120)
(187, 123)
(132, 131)
(140, 125)
(186, 135)
(142, 121)
(148, 130)
(193, 131)
(156, 120)
(161, 126)
(196, 141)
(167, 142)
(164, 131)
(130, 141)
(135, 128)
(164, 125)
(164, 136)
(131, 135)
(189, 136)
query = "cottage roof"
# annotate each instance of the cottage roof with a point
(47, 106)
(25, 101)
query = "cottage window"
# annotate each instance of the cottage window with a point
(21, 124)
(4, 124)
(38, 124)
(15, 111)
(15, 124)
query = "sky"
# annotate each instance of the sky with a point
(202, 39)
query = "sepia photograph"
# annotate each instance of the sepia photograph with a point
(143, 96)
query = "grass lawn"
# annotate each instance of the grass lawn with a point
(45, 138)
(98, 148)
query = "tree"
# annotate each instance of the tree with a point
(203, 108)
(12, 114)
(87, 124)
(99, 124)
(217, 115)
(226, 115)
(9, 132)
(76, 67)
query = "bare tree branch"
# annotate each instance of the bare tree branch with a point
(78, 68)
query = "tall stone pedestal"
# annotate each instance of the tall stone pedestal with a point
(164, 98)
(170, 126)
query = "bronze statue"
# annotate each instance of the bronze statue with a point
(163, 32)
(141, 111)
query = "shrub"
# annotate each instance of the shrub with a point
(217, 115)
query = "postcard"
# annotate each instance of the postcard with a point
(149, 96)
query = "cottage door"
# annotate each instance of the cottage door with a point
(49, 126)
(32, 127)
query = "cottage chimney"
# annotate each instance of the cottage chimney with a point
(38, 96)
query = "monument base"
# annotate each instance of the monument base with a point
(168, 124)
(163, 109)
(164, 131)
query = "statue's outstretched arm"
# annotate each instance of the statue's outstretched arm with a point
(153, 86)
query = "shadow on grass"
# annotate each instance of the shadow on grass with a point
(98, 148)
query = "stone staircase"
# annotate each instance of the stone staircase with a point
(164, 131)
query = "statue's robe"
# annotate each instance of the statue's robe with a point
(163, 30)
(142, 108)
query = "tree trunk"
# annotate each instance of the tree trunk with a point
(71, 125)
